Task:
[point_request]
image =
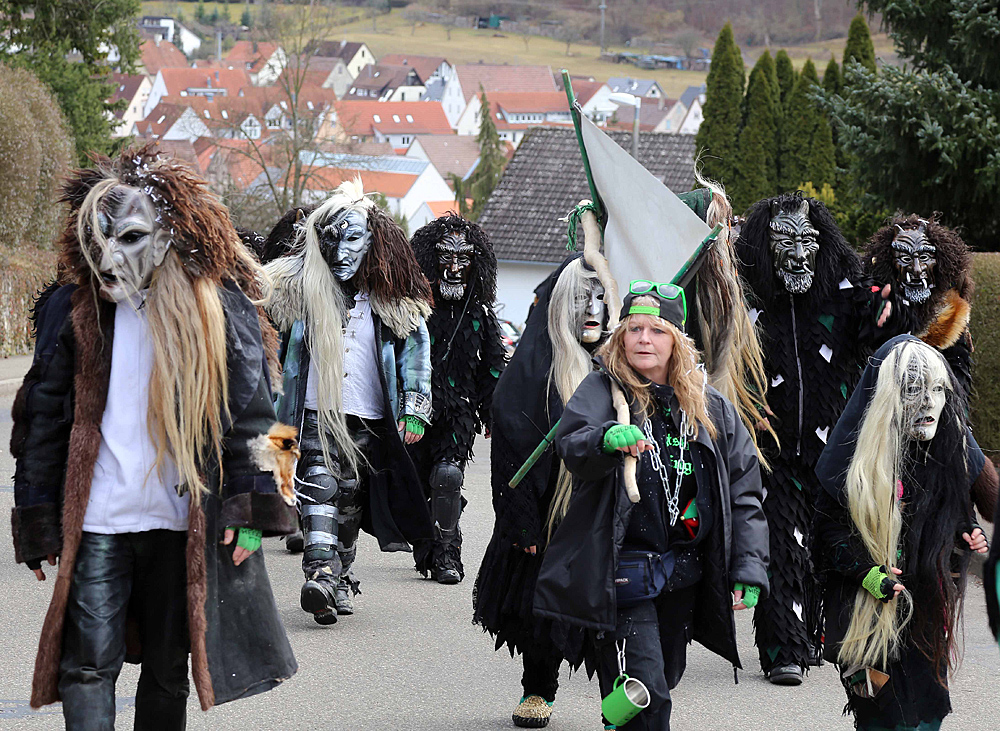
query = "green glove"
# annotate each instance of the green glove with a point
(414, 425)
(622, 435)
(878, 583)
(248, 538)
(750, 594)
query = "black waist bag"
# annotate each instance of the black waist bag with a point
(641, 575)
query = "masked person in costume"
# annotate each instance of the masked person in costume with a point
(645, 577)
(817, 318)
(148, 456)
(895, 528)
(564, 327)
(467, 358)
(351, 301)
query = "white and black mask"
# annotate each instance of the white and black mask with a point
(344, 239)
(924, 399)
(794, 245)
(134, 243)
(454, 265)
(914, 259)
(592, 313)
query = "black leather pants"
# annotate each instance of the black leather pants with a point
(140, 576)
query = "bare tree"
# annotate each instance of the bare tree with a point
(525, 33)
(569, 33)
(688, 41)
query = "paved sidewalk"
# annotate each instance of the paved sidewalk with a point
(12, 372)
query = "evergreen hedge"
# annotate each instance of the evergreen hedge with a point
(984, 325)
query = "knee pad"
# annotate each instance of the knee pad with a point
(316, 484)
(446, 496)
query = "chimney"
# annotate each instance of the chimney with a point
(218, 45)
(216, 75)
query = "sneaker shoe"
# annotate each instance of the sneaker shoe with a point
(316, 599)
(785, 675)
(444, 575)
(532, 712)
(342, 598)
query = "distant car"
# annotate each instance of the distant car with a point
(511, 335)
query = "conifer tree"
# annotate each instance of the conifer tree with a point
(832, 82)
(859, 44)
(801, 116)
(755, 162)
(492, 160)
(823, 155)
(718, 134)
(786, 76)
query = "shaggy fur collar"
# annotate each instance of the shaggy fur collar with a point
(402, 316)
(949, 322)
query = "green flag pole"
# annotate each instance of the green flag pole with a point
(576, 113)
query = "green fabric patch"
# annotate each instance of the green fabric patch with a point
(826, 321)
(432, 340)
(843, 390)
(494, 372)
(797, 483)
(772, 652)
(476, 325)
(451, 381)
(454, 437)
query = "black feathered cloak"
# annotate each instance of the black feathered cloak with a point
(936, 491)
(525, 408)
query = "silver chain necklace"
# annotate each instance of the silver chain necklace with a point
(673, 496)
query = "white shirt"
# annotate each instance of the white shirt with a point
(362, 388)
(127, 495)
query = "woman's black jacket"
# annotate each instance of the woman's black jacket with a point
(576, 582)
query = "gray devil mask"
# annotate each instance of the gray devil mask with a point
(454, 265)
(923, 401)
(132, 243)
(914, 258)
(344, 239)
(592, 313)
(794, 245)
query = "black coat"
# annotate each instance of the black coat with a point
(576, 582)
(238, 644)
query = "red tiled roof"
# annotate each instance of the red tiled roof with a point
(425, 66)
(181, 79)
(163, 116)
(501, 77)
(359, 118)
(156, 55)
(391, 185)
(585, 90)
(250, 55)
(380, 76)
(450, 153)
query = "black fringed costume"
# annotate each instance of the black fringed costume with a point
(815, 345)
(526, 409)
(467, 358)
(936, 481)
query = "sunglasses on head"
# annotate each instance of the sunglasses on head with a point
(663, 289)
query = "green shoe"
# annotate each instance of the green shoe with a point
(532, 712)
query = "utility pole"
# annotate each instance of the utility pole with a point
(603, 6)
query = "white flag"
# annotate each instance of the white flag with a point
(651, 233)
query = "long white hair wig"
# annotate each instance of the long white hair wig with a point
(875, 631)
(570, 360)
(305, 288)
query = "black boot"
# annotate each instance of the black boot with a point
(343, 597)
(317, 598)
(294, 543)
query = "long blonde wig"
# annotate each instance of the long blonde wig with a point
(305, 288)
(875, 632)
(734, 358)
(188, 386)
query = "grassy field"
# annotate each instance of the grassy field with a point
(395, 34)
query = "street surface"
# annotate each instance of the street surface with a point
(410, 658)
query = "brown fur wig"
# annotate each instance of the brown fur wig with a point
(389, 271)
(952, 272)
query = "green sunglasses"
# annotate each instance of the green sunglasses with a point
(663, 289)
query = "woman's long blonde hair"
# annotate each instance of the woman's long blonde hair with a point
(683, 373)
(876, 628)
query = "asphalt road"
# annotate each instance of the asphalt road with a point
(410, 658)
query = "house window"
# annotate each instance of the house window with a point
(409, 118)
(274, 123)
(395, 118)
(251, 128)
(404, 140)
(225, 114)
(377, 118)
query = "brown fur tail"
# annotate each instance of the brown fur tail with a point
(276, 452)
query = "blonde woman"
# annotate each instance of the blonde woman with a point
(639, 573)
(895, 526)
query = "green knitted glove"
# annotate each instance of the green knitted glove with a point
(621, 435)
(750, 594)
(248, 538)
(414, 425)
(878, 583)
